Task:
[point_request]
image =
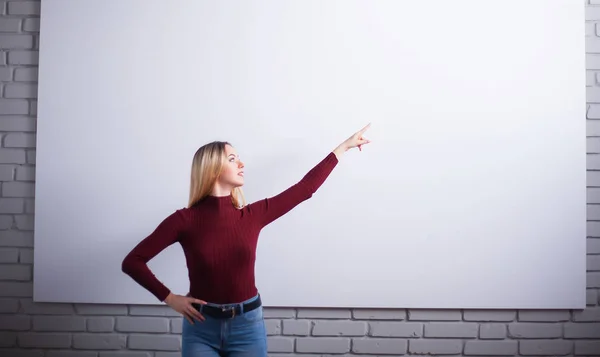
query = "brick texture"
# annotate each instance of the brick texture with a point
(29, 329)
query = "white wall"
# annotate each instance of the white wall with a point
(466, 172)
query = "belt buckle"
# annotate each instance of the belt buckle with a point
(232, 308)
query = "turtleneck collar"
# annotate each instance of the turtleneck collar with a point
(217, 202)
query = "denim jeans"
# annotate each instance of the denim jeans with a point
(243, 335)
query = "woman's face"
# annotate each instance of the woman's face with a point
(233, 173)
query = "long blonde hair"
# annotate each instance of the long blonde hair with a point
(206, 169)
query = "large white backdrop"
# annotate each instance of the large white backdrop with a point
(472, 194)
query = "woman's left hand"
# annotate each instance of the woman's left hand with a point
(356, 140)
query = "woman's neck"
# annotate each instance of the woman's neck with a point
(219, 191)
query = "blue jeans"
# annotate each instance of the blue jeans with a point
(243, 335)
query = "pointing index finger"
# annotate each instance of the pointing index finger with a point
(365, 128)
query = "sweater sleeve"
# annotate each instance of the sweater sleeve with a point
(269, 209)
(135, 263)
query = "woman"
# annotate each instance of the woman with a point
(222, 312)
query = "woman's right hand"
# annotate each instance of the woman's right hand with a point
(183, 305)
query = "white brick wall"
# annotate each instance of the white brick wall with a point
(29, 329)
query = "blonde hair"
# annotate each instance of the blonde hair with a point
(207, 165)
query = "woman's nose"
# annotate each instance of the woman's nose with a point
(240, 164)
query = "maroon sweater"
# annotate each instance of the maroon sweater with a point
(219, 241)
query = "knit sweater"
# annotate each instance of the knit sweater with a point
(219, 241)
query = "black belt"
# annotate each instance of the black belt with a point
(230, 311)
